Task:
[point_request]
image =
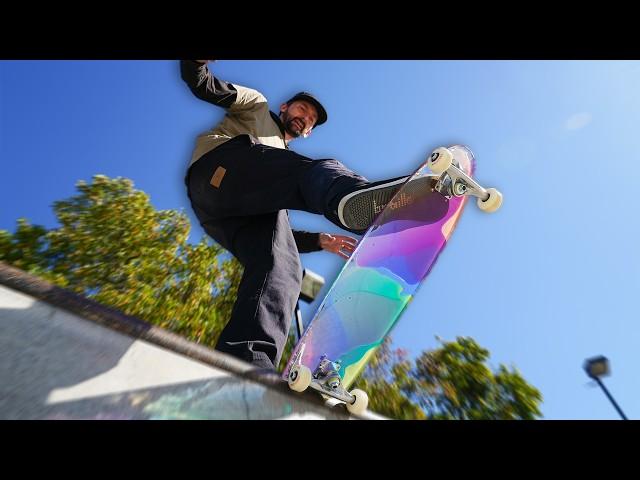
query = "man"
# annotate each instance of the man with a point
(241, 181)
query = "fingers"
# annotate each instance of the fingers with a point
(347, 240)
(341, 245)
(331, 240)
(348, 246)
(345, 251)
(345, 246)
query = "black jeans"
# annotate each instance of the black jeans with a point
(247, 214)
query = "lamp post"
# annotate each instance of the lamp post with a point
(312, 283)
(597, 367)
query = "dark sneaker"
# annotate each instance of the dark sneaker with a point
(358, 210)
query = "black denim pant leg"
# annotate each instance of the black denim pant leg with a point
(261, 317)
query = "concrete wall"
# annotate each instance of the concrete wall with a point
(65, 357)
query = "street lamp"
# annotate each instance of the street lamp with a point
(312, 283)
(597, 367)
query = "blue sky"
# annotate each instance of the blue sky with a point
(546, 282)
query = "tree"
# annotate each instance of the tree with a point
(292, 340)
(25, 249)
(451, 382)
(114, 247)
(387, 380)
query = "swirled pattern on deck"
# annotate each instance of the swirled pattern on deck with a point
(381, 277)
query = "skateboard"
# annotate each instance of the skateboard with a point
(382, 275)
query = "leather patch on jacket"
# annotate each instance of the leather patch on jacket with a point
(218, 175)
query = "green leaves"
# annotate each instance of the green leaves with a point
(452, 382)
(114, 247)
(26, 248)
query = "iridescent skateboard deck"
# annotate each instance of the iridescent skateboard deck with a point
(377, 283)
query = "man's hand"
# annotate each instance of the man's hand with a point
(339, 244)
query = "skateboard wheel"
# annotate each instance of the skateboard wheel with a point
(360, 405)
(440, 160)
(492, 203)
(299, 378)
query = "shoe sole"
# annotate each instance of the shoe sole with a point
(359, 209)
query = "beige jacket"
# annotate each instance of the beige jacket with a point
(247, 111)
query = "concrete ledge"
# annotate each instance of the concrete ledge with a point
(131, 345)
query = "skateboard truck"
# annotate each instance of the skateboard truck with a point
(454, 182)
(327, 373)
(325, 379)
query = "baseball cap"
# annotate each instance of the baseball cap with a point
(322, 113)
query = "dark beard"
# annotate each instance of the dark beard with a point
(291, 128)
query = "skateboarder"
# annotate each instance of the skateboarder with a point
(242, 179)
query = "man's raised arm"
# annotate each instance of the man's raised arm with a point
(205, 86)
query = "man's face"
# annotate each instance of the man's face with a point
(298, 118)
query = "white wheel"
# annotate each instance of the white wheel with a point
(492, 203)
(299, 378)
(360, 405)
(440, 160)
